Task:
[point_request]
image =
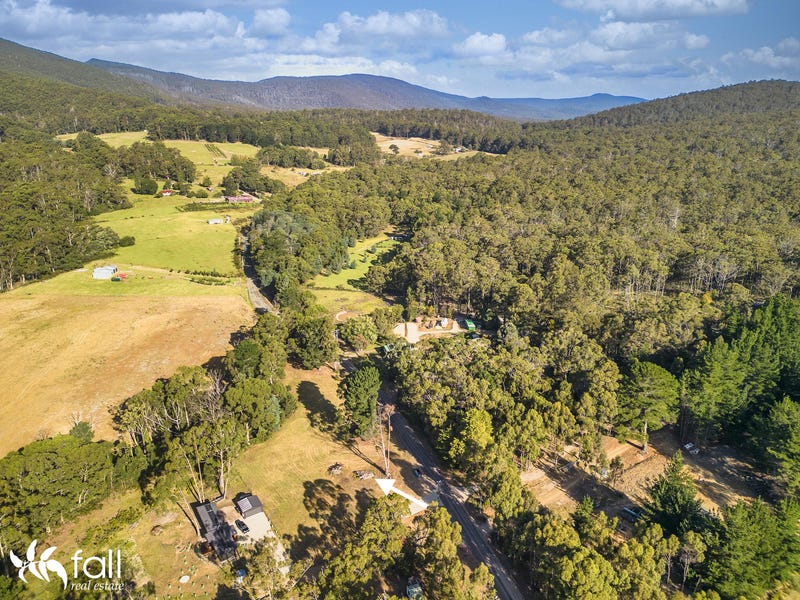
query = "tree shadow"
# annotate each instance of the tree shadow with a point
(321, 412)
(225, 592)
(330, 507)
(578, 484)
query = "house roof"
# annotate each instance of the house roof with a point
(217, 531)
(249, 504)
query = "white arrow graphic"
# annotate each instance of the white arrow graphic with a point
(387, 485)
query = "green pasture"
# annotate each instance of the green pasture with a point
(169, 238)
(336, 291)
(140, 281)
(364, 253)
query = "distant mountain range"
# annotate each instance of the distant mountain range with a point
(369, 92)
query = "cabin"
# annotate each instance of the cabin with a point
(167, 192)
(104, 272)
(216, 530)
(248, 505)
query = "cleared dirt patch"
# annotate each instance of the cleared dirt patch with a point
(418, 148)
(78, 355)
(720, 476)
(407, 146)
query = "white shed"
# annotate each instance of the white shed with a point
(104, 272)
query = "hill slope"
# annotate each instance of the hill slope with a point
(22, 60)
(369, 92)
(742, 98)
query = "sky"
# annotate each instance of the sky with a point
(515, 48)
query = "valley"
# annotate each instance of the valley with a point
(491, 359)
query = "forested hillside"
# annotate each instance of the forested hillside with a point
(635, 277)
(48, 196)
(21, 60)
(742, 98)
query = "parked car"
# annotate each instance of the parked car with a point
(242, 526)
(417, 472)
(691, 448)
(631, 513)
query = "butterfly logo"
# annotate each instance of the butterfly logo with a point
(39, 568)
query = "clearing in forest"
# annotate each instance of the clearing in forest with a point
(339, 292)
(721, 478)
(417, 147)
(169, 237)
(289, 472)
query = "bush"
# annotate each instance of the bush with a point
(144, 186)
(127, 240)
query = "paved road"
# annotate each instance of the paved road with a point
(260, 301)
(452, 498)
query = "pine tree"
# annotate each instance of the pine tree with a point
(649, 397)
(673, 503)
(360, 393)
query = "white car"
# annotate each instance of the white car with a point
(691, 448)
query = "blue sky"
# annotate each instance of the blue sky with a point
(515, 48)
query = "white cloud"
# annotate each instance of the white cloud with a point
(415, 23)
(654, 10)
(380, 33)
(781, 61)
(43, 19)
(206, 22)
(550, 37)
(326, 40)
(767, 57)
(695, 42)
(395, 68)
(479, 44)
(270, 21)
(618, 34)
(789, 46)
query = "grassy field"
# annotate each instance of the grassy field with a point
(417, 147)
(65, 355)
(169, 238)
(73, 346)
(336, 291)
(213, 164)
(289, 471)
(158, 546)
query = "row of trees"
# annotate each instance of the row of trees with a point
(246, 176)
(290, 156)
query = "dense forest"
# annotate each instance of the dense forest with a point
(636, 276)
(48, 197)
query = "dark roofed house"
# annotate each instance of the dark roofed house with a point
(248, 505)
(216, 530)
